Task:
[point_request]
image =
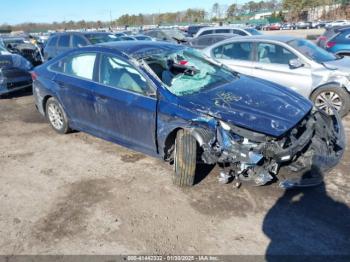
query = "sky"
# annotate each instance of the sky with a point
(19, 11)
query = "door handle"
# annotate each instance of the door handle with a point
(61, 84)
(101, 99)
(258, 67)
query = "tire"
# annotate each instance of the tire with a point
(56, 116)
(341, 97)
(185, 159)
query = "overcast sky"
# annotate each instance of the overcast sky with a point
(19, 11)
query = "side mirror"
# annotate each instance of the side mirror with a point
(295, 63)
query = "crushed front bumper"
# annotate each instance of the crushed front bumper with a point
(307, 152)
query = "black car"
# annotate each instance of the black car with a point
(208, 40)
(62, 42)
(14, 72)
(23, 47)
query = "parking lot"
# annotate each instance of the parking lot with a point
(76, 194)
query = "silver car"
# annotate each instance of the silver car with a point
(292, 62)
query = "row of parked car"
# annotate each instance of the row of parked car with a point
(227, 104)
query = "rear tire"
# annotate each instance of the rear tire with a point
(185, 159)
(336, 95)
(56, 116)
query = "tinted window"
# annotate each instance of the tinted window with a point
(205, 41)
(239, 32)
(81, 65)
(207, 32)
(120, 74)
(223, 31)
(52, 41)
(100, 38)
(239, 50)
(274, 54)
(78, 41)
(64, 41)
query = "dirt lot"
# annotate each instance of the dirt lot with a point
(75, 194)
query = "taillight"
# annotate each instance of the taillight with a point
(34, 75)
(330, 44)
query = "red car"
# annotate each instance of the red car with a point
(275, 26)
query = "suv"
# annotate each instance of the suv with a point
(193, 29)
(227, 30)
(62, 42)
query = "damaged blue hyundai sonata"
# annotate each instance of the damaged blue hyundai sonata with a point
(172, 102)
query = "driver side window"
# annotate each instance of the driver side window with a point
(274, 54)
(117, 73)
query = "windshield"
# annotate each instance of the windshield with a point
(100, 38)
(312, 51)
(14, 41)
(253, 31)
(187, 72)
(177, 34)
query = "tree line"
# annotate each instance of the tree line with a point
(218, 12)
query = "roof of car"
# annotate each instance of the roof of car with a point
(80, 33)
(141, 48)
(278, 38)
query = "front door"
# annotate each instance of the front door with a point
(272, 64)
(125, 109)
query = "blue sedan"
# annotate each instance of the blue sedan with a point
(172, 102)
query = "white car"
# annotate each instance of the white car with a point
(291, 62)
(338, 23)
(227, 30)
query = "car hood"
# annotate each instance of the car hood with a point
(340, 64)
(254, 104)
(13, 60)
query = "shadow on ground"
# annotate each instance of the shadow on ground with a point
(306, 221)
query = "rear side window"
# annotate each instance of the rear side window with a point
(239, 51)
(78, 41)
(207, 32)
(64, 41)
(239, 32)
(52, 41)
(222, 31)
(81, 66)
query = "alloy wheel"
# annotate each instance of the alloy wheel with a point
(328, 100)
(55, 116)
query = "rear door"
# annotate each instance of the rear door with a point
(75, 85)
(125, 104)
(236, 55)
(272, 63)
